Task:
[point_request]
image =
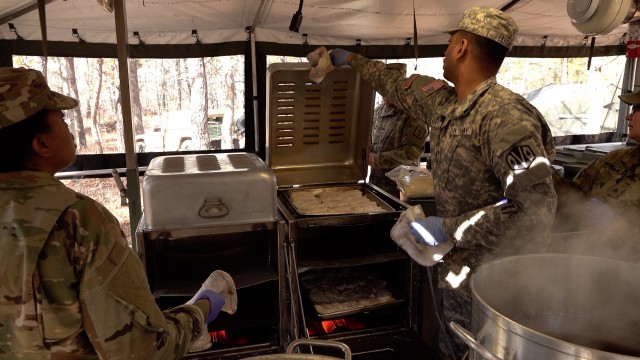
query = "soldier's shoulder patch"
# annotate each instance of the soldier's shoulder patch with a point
(520, 157)
(428, 88)
(407, 83)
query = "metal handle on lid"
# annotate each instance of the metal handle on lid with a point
(213, 208)
(469, 339)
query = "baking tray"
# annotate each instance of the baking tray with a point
(355, 309)
(358, 310)
(317, 194)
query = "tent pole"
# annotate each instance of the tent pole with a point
(254, 80)
(133, 183)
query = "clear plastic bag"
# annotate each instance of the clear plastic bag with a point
(413, 181)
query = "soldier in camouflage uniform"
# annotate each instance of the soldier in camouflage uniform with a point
(70, 286)
(396, 139)
(491, 155)
(605, 195)
(615, 177)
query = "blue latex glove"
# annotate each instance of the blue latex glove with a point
(339, 57)
(220, 289)
(428, 230)
(215, 303)
(598, 213)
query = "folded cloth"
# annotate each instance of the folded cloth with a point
(320, 64)
(419, 251)
(202, 343)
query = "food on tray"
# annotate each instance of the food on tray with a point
(334, 290)
(328, 201)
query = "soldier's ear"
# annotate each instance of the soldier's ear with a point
(40, 145)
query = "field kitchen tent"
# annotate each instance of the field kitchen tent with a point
(383, 29)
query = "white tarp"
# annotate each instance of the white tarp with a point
(334, 22)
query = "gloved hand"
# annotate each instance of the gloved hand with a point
(339, 57)
(405, 233)
(598, 213)
(220, 289)
(428, 233)
(429, 230)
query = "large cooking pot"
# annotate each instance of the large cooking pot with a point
(555, 306)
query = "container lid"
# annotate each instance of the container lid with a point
(317, 133)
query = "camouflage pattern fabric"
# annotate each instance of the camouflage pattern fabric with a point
(24, 92)
(70, 287)
(491, 156)
(615, 179)
(490, 23)
(396, 140)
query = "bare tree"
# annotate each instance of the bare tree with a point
(136, 106)
(198, 103)
(70, 70)
(95, 126)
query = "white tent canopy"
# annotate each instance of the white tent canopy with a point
(333, 22)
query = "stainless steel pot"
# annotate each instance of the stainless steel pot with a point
(555, 306)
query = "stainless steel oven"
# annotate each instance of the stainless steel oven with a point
(208, 212)
(348, 280)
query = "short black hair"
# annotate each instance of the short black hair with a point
(16, 140)
(488, 50)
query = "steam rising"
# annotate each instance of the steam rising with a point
(584, 300)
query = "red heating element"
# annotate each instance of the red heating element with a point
(337, 326)
(218, 337)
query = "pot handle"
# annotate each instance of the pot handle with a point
(317, 342)
(469, 339)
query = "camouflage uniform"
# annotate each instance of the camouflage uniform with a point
(491, 156)
(615, 179)
(396, 140)
(70, 287)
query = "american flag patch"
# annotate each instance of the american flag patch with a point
(429, 88)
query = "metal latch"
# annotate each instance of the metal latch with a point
(120, 185)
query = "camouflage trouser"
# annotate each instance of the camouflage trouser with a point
(379, 179)
(456, 306)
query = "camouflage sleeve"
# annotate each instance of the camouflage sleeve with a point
(412, 145)
(587, 176)
(120, 315)
(413, 95)
(517, 156)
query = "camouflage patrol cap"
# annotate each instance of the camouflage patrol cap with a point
(632, 98)
(490, 23)
(402, 68)
(24, 92)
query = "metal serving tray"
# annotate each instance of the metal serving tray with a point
(183, 191)
(324, 204)
(349, 308)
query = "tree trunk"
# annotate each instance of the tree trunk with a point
(95, 128)
(81, 137)
(136, 105)
(198, 103)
